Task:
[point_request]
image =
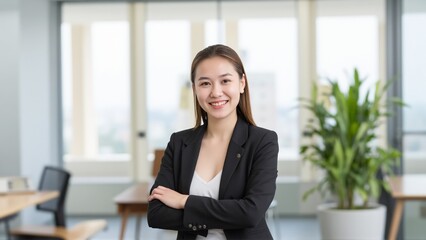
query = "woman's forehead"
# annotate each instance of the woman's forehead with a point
(215, 66)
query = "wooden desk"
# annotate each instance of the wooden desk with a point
(13, 203)
(405, 188)
(133, 200)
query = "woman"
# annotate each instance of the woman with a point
(217, 179)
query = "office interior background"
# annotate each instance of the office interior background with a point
(96, 86)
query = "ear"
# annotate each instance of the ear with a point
(242, 83)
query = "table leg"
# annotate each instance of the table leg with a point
(396, 219)
(138, 226)
(8, 237)
(124, 216)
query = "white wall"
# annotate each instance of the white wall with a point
(9, 92)
(38, 102)
(28, 94)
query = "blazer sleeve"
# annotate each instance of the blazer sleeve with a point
(159, 214)
(258, 194)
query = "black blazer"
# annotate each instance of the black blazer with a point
(246, 190)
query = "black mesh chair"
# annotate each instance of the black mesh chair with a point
(56, 179)
(52, 179)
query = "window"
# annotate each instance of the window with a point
(96, 84)
(414, 75)
(169, 94)
(349, 35)
(67, 103)
(245, 29)
(111, 90)
(171, 40)
(355, 45)
(414, 116)
(272, 75)
(100, 98)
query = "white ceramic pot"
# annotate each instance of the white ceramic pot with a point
(361, 224)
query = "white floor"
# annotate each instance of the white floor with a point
(297, 228)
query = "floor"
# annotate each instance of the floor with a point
(285, 228)
(296, 228)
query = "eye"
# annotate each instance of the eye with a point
(226, 81)
(204, 84)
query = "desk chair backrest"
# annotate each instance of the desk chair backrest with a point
(158, 157)
(55, 179)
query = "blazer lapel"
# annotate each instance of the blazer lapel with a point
(234, 154)
(190, 152)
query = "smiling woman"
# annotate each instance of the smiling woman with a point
(218, 87)
(192, 192)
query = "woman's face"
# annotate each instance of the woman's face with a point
(218, 87)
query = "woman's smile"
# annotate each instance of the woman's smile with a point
(218, 104)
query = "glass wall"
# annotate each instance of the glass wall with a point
(173, 39)
(414, 80)
(172, 31)
(339, 54)
(272, 72)
(96, 82)
(348, 37)
(414, 116)
(101, 40)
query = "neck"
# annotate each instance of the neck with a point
(221, 129)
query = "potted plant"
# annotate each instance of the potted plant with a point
(342, 143)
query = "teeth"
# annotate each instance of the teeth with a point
(218, 103)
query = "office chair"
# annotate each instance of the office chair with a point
(53, 179)
(56, 179)
(158, 156)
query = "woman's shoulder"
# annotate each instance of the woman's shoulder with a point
(247, 132)
(186, 134)
(261, 139)
(256, 130)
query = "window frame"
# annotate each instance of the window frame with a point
(306, 13)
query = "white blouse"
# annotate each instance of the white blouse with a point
(200, 187)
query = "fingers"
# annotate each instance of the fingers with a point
(168, 197)
(161, 188)
(152, 197)
(157, 193)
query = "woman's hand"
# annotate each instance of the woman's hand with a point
(169, 197)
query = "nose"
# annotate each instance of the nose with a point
(216, 91)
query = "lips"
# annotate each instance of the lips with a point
(218, 103)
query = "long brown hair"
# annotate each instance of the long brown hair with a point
(219, 50)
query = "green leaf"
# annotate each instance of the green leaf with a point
(342, 139)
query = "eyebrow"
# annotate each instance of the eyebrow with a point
(220, 76)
